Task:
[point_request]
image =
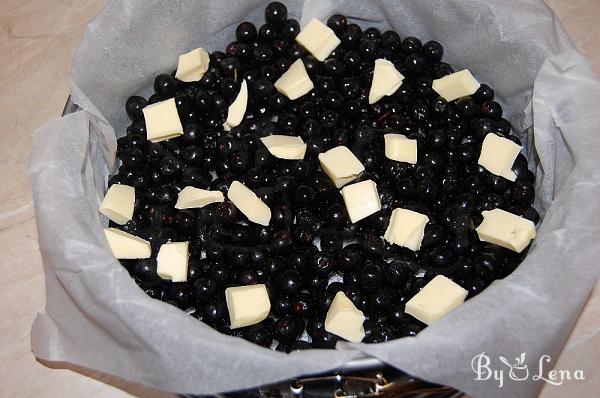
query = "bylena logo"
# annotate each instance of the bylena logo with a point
(518, 370)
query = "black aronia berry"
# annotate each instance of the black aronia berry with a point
(226, 250)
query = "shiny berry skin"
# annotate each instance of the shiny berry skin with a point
(282, 240)
(316, 283)
(203, 289)
(248, 277)
(288, 328)
(246, 32)
(290, 30)
(523, 193)
(276, 13)
(281, 305)
(303, 235)
(372, 244)
(134, 106)
(178, 295)
(298, 260)
(381, 299)
(486, 266)
(290, 282)
(350, 39)
(349, 258)
(483, 93)
(165, 85)
(320, 337)
(132, 158)
(331, 242)
(400, 270)
(215, 312)
(433, 51)
(322, 264)
(411, 45)
(145, 271)
(415, 63)
(442, 70)
(465, 107)
(219, 273)
(304, 304)
(491, 109)
(367, 49)
(226, 212)
(203, 101)
(337, 22)
(380, 335)
(413, 327)
(371, 277)
(259, 334)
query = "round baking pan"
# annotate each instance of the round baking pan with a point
(363, 377)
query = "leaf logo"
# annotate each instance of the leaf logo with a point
(517, 371)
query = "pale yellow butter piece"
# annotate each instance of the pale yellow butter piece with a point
(118, 203)
(126, 246)
(344, 319)
(172, 261)
(406, 228)
(249, 204)
(192, 65)
(456, 85)
(506, 229)
(361, 199)
(498, 155)
(162, 121)
(341, 165)
(247, 305)
(192, 197)
(386, 80)
(285, 146)
(237, 109)
(400, 148)
(438, 298)
(295, 82)
(318, 39)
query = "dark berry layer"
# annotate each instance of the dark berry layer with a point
(446, 184)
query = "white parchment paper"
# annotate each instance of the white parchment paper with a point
(98, 318)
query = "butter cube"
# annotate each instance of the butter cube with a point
(386, 80)
(318, 39)
(237, 109)
(118, 203)
(341, 165)
(285, 146)
(295, 82)
(344, 319)
(506, 229)
(126, 246)
(247, 305)
(406, 228)
(400, 148)
(249, 204)
(498, 155)
(438, 298)
(456, 85)
(191, 197)
(172, 261)
(361, 199)
(192, 65)
(162, 121)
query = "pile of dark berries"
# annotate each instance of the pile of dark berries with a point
(226, 250)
